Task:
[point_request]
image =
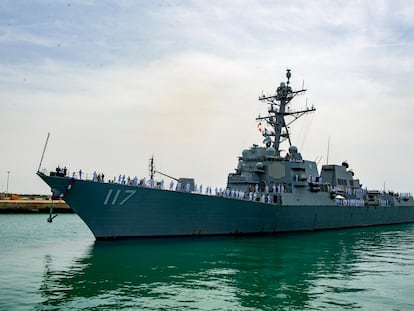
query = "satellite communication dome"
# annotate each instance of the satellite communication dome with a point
(267, 140)
(293, 149)
(270, 152)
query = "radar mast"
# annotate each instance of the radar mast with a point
(277, 111)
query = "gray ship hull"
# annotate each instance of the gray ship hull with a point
(120, 211)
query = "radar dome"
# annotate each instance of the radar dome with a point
(259, 165)
(270, 152)
(267, 140)
(293, 149)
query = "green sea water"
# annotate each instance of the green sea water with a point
(59, 266)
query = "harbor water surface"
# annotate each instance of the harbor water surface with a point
(59, 266)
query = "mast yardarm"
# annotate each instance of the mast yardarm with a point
(277, 112)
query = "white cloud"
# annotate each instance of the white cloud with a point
(185, 87)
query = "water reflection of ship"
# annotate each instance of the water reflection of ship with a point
(287, 270)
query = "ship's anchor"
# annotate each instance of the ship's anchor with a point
(68, 187)
(50, 219)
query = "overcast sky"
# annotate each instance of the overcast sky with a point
(116, 82)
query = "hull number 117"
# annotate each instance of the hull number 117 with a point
(118, 197)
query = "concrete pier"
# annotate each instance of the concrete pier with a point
(33, 206)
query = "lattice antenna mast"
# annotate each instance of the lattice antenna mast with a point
(278, 110)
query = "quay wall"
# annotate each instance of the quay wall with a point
(33, 206)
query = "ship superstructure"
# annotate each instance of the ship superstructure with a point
(264, 166)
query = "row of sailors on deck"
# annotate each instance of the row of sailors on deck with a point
(227, 193)
(352, 202)
(122, 179)
(358, 202)
(361, 191)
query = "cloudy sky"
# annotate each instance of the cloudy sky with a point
(116, 82)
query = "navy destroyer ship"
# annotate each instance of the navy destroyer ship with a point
(269, 192)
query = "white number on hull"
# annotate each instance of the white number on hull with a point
(114, 201)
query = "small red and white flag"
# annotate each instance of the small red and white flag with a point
(260, 127)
